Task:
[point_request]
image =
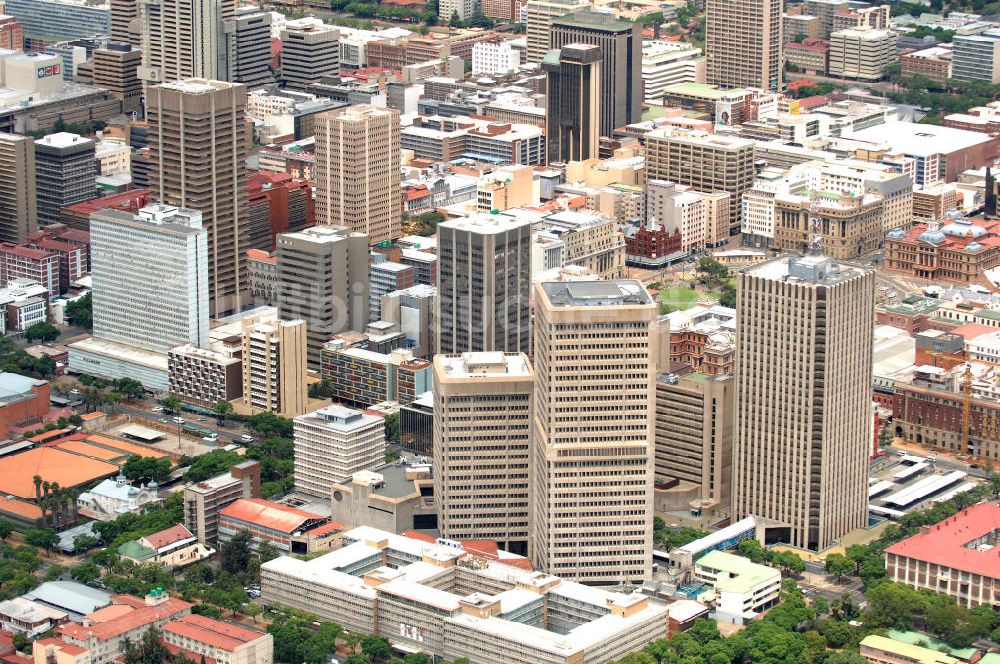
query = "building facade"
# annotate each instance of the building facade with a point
(743, 43)
(274, 367)
(333, 443)
(18, 196)
(572, 102)
(65, 172)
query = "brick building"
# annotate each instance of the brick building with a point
(20, 262)
(958, 250)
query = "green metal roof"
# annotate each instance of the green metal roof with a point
(135, 551)
(701, 90)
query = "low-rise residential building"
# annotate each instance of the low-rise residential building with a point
(172, 547)
(395, 499)
(744, 589)
(218, 641)
(451, 602)
(956, 557)
(38, 265)
(334, 443)
(23, 616)
(287, 529)
(204, 500)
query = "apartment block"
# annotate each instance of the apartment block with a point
(484, 273)
(274, 366)
(358, 171)
(482, 440)
(593, 417)
(38, 265)
(334, 443)
(125, 26)
(803, 368)
(204, 377)
(197, 149)
(204, 500)
(18, 204)
(221, 641)
(65, 173)
(323, 279)
(363, 378)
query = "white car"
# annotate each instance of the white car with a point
(210, 439)
(246, 439)
(178, 420)
(157, 409)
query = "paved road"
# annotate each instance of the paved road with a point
(944, 463)
(231, 433)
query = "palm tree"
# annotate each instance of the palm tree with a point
(37, 479)
(56, 504)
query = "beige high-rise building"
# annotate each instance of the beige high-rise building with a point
(185, 39)
(197, 152)
(274, 366)
(124, 15)
(592, 449)
(482, 438)
(18, 208)
(116, 70)
(743, 43)
(851, 225)
(862, 53)
(804, 396)
(540, 14)
(357, 171)
(705, 162)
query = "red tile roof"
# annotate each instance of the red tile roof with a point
(14, 658)
(423, 537)
(327, 527)
(944, 543)
(260, 255)
(972, 330)
(146, 615)
(62, 645)
(265, 514)
(169, 536)
(193, 656)
(215, 633)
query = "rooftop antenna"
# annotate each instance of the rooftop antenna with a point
(815, 225)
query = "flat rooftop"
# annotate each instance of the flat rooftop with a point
(484, 365)
(484, 224)
(919, 140)
(818, 270)
(618, 292)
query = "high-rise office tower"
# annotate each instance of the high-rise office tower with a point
(540, 14)
(705, 162)
(197, 149)
(274, 366)
(185, 39)
(250, 63)
(116, 69)
(323, 280)
(743, 43)
(572, 102)
(309, 51)
(123, 18)
(484, 277)
(65, 173)
(18, 206)
(592, 484)
(621, 64)
(803, 396)
(357, 171)
(150, 277)
(482, 440)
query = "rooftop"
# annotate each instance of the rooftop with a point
(53, 465)
(619, 292)
(484, 224)
(947, 543)
(744, 576)
(216, 633)
(918, 140)
(906, 651)
(69, 595)
(484, 365)
(811, 269)
(265, 514)
(703, 90)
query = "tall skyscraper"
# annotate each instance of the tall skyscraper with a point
(123, 18)
(274, 366)
(323, 280)
(116, 69)
(572, 102)
(250, 63)
(482, 441)
(18, 207)
(150, 277)
(197, 148)
(65, 173)
(540, 14)
(184, 39)
(743, 43)
(592, 484)
(357, 171)
(484, 277)
(803, 396)
(310, 50)
(621, 64)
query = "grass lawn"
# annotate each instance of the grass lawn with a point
(678, 298)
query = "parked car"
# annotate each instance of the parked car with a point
(246, 438)
(178, 420)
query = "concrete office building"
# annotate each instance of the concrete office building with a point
(572, 102)
(594, 353)
(412, 309)
(397, 498)
(274, 367)
(705, 162)
(18, 206)
(116, 69)
(669, 63)
(851, 226)
(125, 23)
(386, 277)
(65, 173)
(448, 8)
(184, 39)
(824, 11)
(150, 277)
(197, 148)
(540, 14)
(323, 279)
(976, 57)
(482, 440)
(621, 62)
(60, 20)
(204, 500)
(250, 63)
(803, 396)
(333, 443)
(357, 171)
(743, 43)
(205, 377)
(484, 277)
(310, 50)
(694, 438)
(862, 53)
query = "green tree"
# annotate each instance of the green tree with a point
(455, 21)
(392, 428)
(6, 528)
(170, 403)
(753, 550)
(41, 331)
(79, 312)
(234, 555)
(47, 538)
(838, 565)
(375, 647)
(355, 658)
(270, 424)
(85, 573)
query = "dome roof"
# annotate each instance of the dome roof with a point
(932, 236)
(963, 228)
(973, 247)
(896, 234)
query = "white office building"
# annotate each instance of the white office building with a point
(669, 63)
(495, 58)
(333, 443)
